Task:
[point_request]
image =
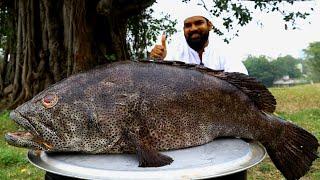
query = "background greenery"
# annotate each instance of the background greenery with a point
(268, 70)
(313, 60)
(300, 104)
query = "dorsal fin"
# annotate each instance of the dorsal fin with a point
(255, 89)
(252, 87)
(182, 65)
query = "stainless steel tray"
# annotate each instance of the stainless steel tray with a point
(217, 158)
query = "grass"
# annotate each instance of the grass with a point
(13, 161)
(295, 99)
(299, 104)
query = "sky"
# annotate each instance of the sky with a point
(269, 39)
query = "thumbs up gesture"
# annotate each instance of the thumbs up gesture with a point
(159, 51)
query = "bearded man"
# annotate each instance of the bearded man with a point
(198, 45)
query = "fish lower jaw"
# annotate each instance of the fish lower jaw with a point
(25, 139)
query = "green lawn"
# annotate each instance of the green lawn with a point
(300, 104)
(13, 161)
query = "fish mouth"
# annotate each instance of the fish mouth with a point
(29, 138)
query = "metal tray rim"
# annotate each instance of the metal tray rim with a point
(153, 173)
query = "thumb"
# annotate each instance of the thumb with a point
(163, 40)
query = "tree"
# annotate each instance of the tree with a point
(261, 68)
(269, 70)
(313, 60)
(54, 39)
(47, 40)
(286, 65)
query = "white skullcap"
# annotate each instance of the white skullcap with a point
(195, 10)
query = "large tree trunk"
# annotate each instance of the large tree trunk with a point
(56, 38)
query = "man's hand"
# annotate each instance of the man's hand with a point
(159, 51)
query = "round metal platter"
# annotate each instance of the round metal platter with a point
(217, 158)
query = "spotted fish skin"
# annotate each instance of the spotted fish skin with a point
(146, 107)
(142, 97)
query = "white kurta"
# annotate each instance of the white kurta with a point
(212, 57)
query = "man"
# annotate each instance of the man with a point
(197, 46)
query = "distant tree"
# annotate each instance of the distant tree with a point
(261, 68)
(313, 60)
(286, 65)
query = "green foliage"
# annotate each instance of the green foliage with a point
(313, 60)
(110, 57)
(261, 68)
(286, 65)
(268, 70)
(143, 30)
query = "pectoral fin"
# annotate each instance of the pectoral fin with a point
(147, 155)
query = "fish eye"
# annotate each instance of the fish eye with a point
(49, 100)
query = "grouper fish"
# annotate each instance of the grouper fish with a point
(144, 107)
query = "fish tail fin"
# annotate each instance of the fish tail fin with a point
(293, 151)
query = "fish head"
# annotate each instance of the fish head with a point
(36, 117)
(57, 119)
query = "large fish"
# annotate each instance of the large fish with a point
(146, 107)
